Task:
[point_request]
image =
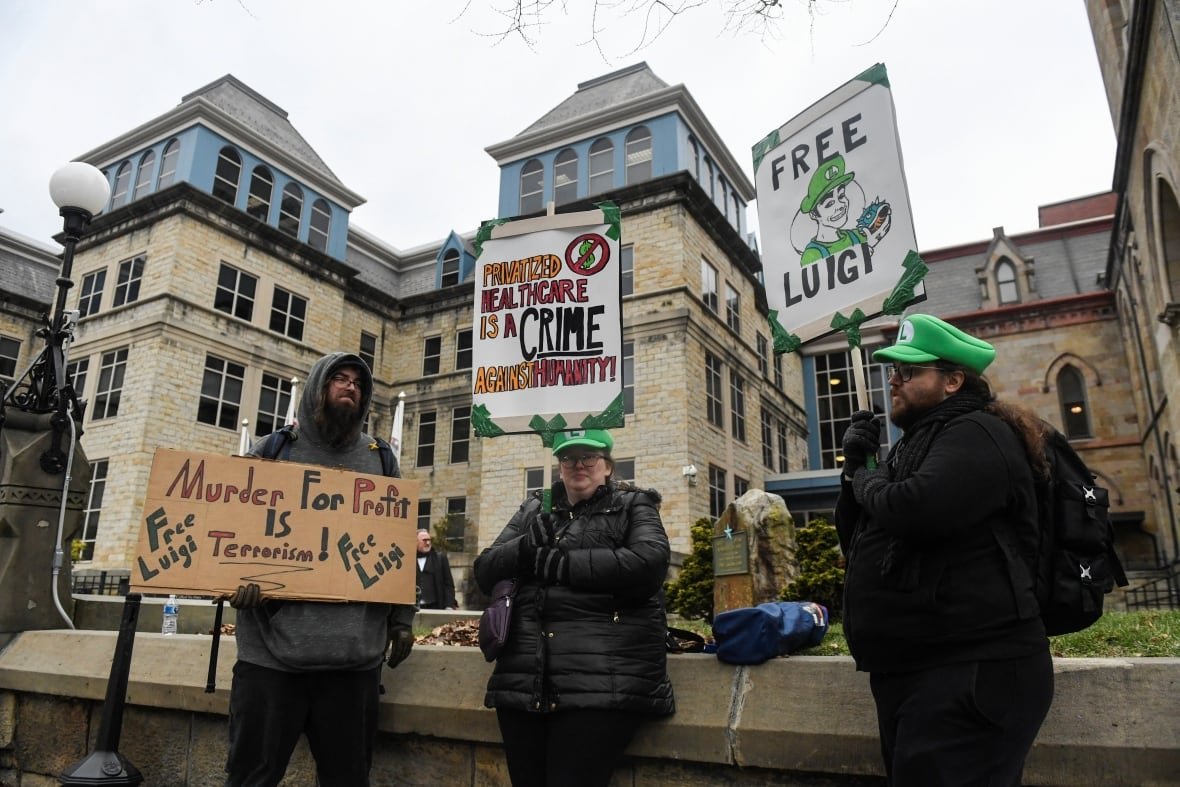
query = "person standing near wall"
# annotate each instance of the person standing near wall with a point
(585, 662)
(937, 608)
(308, 667)
(436, 585)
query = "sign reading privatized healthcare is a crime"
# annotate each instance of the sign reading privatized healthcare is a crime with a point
(211, 523)
(548, 325)
(837, 232)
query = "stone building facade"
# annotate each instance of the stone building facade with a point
(1140, 64)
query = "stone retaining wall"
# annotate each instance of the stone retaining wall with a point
(799, 721)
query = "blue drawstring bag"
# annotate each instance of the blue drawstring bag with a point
(751, 635)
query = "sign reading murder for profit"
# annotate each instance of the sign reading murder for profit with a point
(211, 523)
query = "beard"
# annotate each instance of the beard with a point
(338, 425)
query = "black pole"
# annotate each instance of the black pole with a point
(106, 765)
(211, 682)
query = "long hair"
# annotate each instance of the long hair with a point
(1024, 422)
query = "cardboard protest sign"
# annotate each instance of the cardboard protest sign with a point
(212, 523)
(833, 208)
(548, 325)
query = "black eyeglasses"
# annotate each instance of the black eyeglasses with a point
(905, 371)
(344, 381)
(585, 460)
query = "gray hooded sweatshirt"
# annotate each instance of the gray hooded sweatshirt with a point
(305, 636)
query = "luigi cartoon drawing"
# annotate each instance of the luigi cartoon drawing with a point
(833, 195)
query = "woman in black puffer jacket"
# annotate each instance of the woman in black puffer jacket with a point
(585, 661)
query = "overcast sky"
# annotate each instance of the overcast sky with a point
(1000, 104)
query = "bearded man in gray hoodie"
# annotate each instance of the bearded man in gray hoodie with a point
(308, 667)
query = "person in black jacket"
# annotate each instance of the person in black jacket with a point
(938, 592)
(585, 661)
(436, 586)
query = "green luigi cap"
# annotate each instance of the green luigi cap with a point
(829, 175)
(593, 438)
(923, 338)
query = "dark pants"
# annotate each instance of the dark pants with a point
(574, 748)
(269, 709)
(962, 724)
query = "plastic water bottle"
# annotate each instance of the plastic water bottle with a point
(171, 615)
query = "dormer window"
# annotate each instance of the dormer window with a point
(143, 180)
(321, 223)
(638, 155)
(565, 177)
(1006, 290)
(291, 209)
(450, 268)
(262, 185)
(532, 177)
(227, 176)
(602, 165)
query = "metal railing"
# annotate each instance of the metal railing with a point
(1162, 592)
(102, 583)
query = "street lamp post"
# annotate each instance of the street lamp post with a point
(43, 473)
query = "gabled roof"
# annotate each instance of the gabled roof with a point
(1068, 259)
(261, 114)
(237, 112)
(625, 97)
(596, 95)
(28, 269)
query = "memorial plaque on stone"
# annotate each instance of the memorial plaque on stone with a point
(753, 551)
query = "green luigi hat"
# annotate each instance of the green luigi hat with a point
(593, 438)
(829, 175)
(922, 338)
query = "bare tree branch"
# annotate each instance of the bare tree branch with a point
(525, 19)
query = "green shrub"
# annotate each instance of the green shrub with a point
(691, 595)
(821, 579)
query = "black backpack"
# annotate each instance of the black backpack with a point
(277, 445)
(1076, 565)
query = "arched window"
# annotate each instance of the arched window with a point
(708, 184)
(122, 183)
(602, 165)
(143, 181)
(696, 158)
(532, 177)
(637, 150)
(229, 172)
(565, 177)
(723, 196)
(1169, 234)
(1071, 393)
(168, 164)
(262, 185)
(291, 209)
(321, 223)
(1006, 291)
(450, 268)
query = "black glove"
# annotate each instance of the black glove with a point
(866, 482)
(537, 535)
(246, 597)
(551, 567)
(401, 642)
(862, 439)
(540, 531)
